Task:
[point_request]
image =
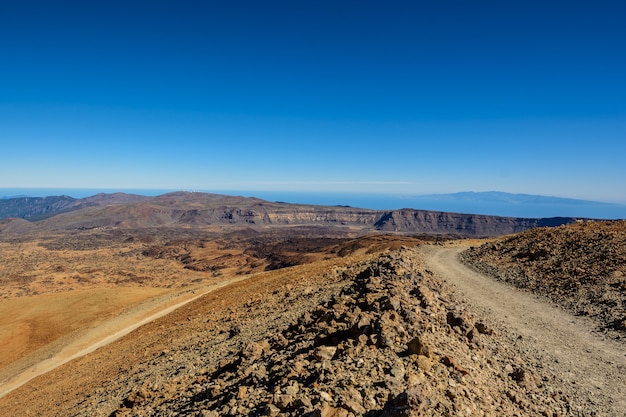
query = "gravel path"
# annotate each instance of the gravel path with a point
(593, 366)
(85, 342)
(487, 349)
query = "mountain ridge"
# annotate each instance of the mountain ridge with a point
(197, 209)
(39, 208)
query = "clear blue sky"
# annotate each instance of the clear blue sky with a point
(412, 97)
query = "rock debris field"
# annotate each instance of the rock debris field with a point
(391, 342)
(382, 337)
(368, 335)
(581, 267)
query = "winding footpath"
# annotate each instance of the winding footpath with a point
(89, 340)
(594, 365)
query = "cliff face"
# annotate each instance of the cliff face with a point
(200, 209)
(287, 214)
(422, 221)
(404, 221)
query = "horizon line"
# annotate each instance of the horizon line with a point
(233, 192)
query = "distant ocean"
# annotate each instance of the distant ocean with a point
(543, 207)
(590, 209)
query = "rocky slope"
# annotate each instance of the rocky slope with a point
(34, 207)
(201, 210)
(38, 208)
(580, 266)
(379, 336)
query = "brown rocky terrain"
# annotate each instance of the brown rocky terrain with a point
(289, 320)
(363, 334)
(366, 335)
(386, 341)
(39, 263)
(582, 267)
(59, 287)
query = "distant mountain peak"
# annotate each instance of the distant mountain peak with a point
(510, 198)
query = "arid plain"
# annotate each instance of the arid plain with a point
(302, 319)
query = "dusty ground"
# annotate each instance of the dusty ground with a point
(29, 323)
(62, 294)
(564, 346)
(215, 313)
(581, 267)
(172, 258)
(80, 328)
(346, 331)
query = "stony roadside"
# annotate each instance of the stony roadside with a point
(581, 267)
(375, 336)
(389, 339)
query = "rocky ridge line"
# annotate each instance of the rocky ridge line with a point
(391, 340)
(200, 210)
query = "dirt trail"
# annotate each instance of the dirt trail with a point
(595, 366)
(84, 342)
